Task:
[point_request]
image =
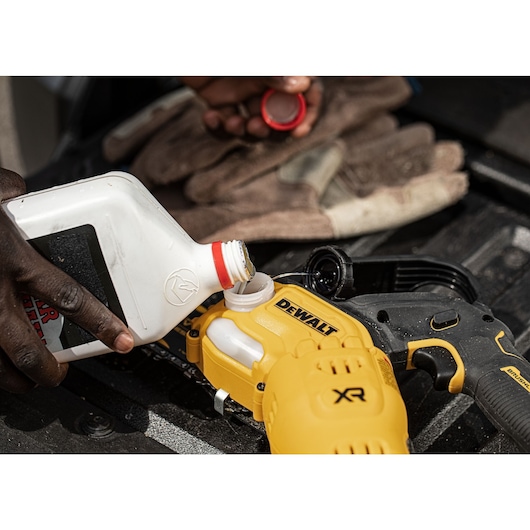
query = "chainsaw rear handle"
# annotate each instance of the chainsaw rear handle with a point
(488, 369)
(503, 394)
(462, 346)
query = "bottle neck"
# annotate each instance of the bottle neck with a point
(232, 263)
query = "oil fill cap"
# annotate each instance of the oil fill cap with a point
(281, 111)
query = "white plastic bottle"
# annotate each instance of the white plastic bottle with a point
(109, 233)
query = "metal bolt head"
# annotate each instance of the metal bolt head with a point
(96, 425)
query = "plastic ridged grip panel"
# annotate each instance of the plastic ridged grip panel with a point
(505, 399)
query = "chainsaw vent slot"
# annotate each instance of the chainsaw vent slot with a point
(373, 447)
(339, 366)
(272, 412)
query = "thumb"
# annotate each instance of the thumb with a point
(289, 84)
(11, 184)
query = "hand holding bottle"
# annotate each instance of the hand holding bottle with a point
(24, 360)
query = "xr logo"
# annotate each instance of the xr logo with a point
(349, 394)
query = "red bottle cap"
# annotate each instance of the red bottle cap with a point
(281, 111)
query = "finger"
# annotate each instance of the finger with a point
(216, 118)
(212, 119)
(197, 82)
(233, 90)
(230, 90)
(218, 92)
(235, 125)
(313, 99)
(11, 379)
(26, 350)
(60, 291)
(11, 184)
(228, 119)
(289, 84)
(257, 127)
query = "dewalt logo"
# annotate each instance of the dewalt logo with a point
(306, 317)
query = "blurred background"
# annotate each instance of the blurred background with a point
(45, 117)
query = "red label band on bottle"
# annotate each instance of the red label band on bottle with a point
(220, 266)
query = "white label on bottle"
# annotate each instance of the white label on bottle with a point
(48, 322)
(180, 286)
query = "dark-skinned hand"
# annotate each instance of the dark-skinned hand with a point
(234, 102)
(24, 360)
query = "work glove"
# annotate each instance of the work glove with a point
(24, 360)
(356, 172)
(167, 141)
(374, 178)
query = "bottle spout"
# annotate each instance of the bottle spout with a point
(232, 263)
(248, 267)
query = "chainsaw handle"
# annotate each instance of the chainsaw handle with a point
(503, 394)
(462, 346)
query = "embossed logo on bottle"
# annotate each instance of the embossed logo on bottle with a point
(180, 286)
